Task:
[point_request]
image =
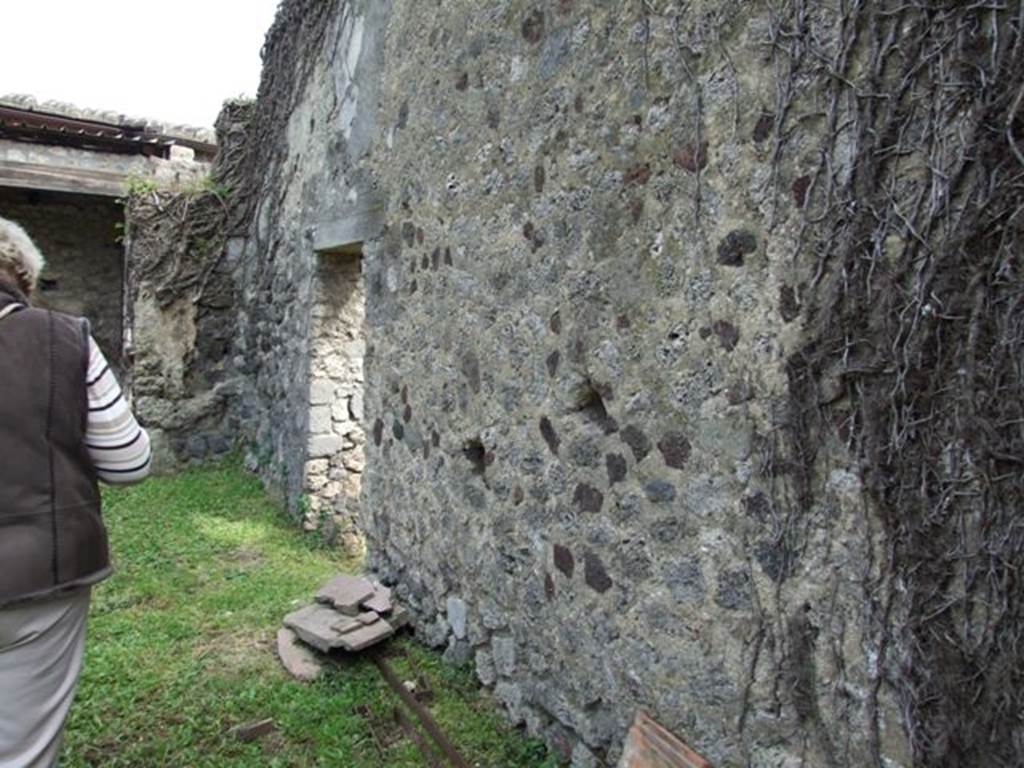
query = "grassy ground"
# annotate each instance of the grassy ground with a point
(181, 648)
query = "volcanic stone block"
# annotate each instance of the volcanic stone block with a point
(735, 246)
(564, 560)
(485, 670)
(616, 466)
(595, 574)
(675, 449)
(346, 593)
(659, 491)
(400, 616)
(587, 498)
(503, 650)
(637, 441)
(457, 616)
(458, 653)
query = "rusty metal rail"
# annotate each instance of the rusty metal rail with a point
(451, 754)
(417, 738)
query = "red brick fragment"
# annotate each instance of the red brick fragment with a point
(649, 745)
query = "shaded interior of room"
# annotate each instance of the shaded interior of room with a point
(84, 275)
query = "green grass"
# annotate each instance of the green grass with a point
(181, 647)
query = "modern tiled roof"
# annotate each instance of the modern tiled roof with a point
(21, 119)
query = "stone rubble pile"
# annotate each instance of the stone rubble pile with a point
(349, 613)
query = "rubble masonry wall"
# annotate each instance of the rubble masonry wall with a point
(579, 314)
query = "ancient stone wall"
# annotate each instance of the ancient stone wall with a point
(137, 244)
(577, 355)
(182, 305)
(641, 263)
(300, 341)
(81, 238)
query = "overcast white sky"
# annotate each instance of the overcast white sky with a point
(174, 61)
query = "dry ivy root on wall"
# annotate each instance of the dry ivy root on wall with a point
(181, 278)
(177, 237)
(180, 303)
(913, 303)
(299, 27)
(177, 240)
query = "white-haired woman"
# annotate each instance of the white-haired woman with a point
(64, 424)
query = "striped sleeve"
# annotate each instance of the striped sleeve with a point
(118, 446)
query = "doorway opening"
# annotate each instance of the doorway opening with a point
(334, 462)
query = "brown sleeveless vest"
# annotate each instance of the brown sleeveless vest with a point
(51, 534)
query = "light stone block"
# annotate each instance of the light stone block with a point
(317, 625)
(367, 635)
(321, 392)
(323, 446)
(320, 420)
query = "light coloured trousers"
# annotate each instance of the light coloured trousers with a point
(41, 645)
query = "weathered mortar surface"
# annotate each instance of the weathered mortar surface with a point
(80, 237)
(581, 325)
(181, 380)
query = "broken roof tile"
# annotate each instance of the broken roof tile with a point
(367, 635)
(346, 593)
(650, 745)
(381, 600)
(298, 659)
(316, 625)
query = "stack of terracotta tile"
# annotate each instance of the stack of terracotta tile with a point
(350, 613)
